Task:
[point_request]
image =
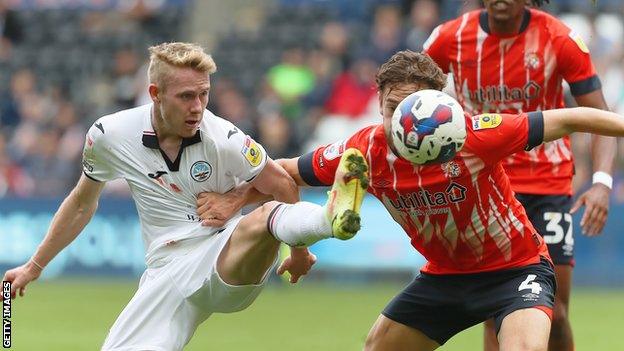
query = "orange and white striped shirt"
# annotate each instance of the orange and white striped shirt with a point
(514, 74)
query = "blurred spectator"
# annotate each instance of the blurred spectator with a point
(291, 78)
(274, 132)
(320, 90)
(10, 30)
(385, 35)
(124, 81)
(351, 105)
(13, 180)
(334, 41)
(53, 175)
(229, 103)
(424, 17)
(353, 89)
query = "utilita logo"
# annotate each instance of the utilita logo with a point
(454, 193)
(502, 93)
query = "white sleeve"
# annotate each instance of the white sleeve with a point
(244, 158)
(97, 155)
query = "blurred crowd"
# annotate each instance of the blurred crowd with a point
(305, 77)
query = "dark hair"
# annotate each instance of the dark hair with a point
(410, 67)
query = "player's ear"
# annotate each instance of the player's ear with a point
(154, 93)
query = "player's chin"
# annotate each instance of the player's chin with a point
(189, 129)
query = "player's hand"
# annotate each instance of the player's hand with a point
(596, 202)
(297, 264)
(216, 209)
(20, 277)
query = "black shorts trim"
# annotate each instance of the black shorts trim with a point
(90, 177)
(306, 170)
(585, 86)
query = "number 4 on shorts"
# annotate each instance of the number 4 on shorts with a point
(529, 283)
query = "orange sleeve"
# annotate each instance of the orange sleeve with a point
(574, 62)
(318, 167)
(495, 136)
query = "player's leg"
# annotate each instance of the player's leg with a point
(426, 314)
(157, 317)
(551, 217)
(254, 244)
(523, 300)
(561, 338)
(387, 334)
(525, 330)
(490, 341)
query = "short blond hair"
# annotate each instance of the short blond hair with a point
(182, 55)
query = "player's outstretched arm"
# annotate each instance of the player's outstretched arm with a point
(216, 209)
(561, 122)
(603, 151)
(69, 220)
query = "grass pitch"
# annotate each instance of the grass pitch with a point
(75, 315)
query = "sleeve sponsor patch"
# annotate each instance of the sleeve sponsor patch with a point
(486, 121)
(88, 156)
(334, 150)
(252, 152)
(579, 41)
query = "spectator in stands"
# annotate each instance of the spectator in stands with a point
(13, 180)
(424, 16)
(334, 41)
(386, 37)
(352, 103)
(228, 102)
(52, 174)
(10, 30)
(291, 78)
(125, 90)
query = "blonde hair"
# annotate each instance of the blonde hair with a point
(182, 55)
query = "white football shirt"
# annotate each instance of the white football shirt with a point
(216, 159)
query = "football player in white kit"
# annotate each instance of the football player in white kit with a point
(169, 151)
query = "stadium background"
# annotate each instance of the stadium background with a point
(292, 73)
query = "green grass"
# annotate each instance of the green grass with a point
(74, 315)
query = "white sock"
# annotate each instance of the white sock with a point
(300, 224)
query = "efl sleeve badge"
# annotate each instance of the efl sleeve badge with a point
(486, 121)
(252, 152)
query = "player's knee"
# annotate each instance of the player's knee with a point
(560, 314)
(256, 221)
(375, 337)
(533, 344)
(371, 341)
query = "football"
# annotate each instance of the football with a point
(428, 126)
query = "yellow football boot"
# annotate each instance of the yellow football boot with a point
(346, 195)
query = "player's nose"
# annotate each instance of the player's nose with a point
(197, 106)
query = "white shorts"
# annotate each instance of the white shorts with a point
(173, 299)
